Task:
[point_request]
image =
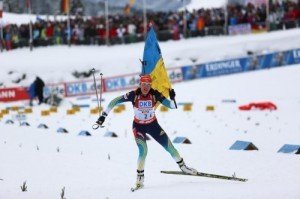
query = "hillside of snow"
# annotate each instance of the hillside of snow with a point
(61, 61)
(101, 167)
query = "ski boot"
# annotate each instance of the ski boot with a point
(139, 181)
(186, 169)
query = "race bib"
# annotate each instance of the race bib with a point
(144, 114)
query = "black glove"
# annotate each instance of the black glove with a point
(101, 119)
(172, 94)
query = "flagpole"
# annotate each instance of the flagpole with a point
(145, 18)
(267, 15)
(226, 18)
(106, 23)
(184, 20)
(30, 27)
(69, 24)
(1, 34)
(1, 24)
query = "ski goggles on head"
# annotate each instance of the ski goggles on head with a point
(146, 79)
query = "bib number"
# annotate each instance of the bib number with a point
(144, 114)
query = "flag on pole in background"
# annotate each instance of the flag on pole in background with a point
(28, 4)
(127, 8)
(1, 9)
(65, 6)
(154, 66)
(131, 2)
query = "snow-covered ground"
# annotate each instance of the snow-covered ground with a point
(82, 165)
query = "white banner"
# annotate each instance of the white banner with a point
(57, 89)
(239, 29)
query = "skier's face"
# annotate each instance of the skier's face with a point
(145, 88)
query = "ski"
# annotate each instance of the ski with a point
(208, 175)
(133, 189)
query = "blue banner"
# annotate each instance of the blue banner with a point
(76, 88)
(295, 56)
(80, 88)
(223, 67)
(190, 72)
(254, 62)
(121, 83)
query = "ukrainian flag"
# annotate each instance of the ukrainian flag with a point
(154, 66)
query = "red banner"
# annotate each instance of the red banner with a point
(13, 94)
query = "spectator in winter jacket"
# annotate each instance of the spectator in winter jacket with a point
(121, 32)
(36, 90)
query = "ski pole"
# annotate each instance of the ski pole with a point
(175, 103)
(96, 126)
(101, 81)
(95, 85)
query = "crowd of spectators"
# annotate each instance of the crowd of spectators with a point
(284, 14)
(171, 25)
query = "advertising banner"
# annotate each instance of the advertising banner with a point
(179, 74)
(57, 89)
(239, 29)
(121, 82)
(175, 74)
(223, 67)
(13, 94)
(80, 88)
(271, 60)
(190, 72)
(295, 56)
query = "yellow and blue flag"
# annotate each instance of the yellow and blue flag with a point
(154, 66)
